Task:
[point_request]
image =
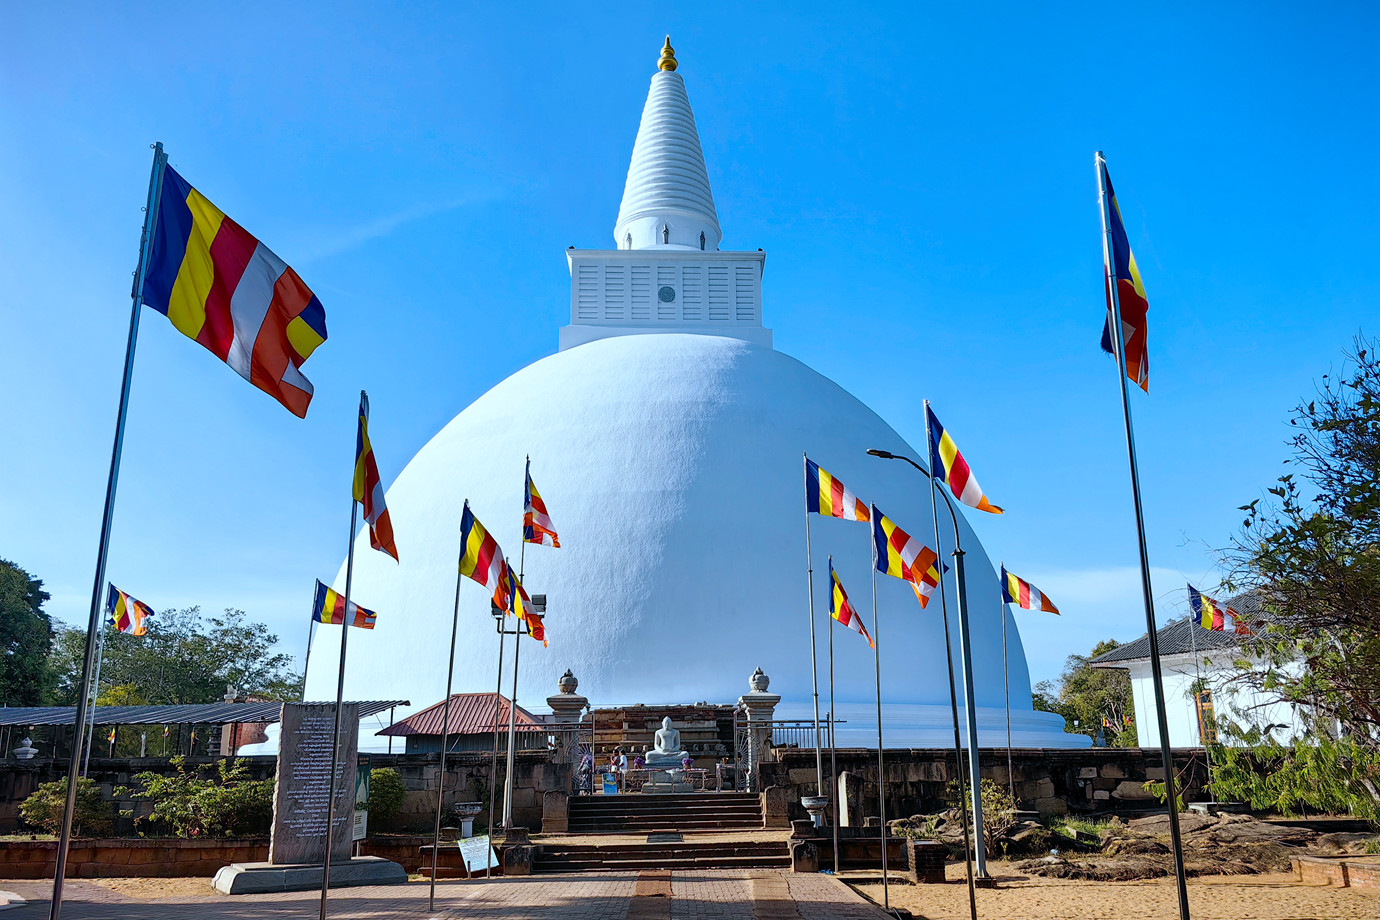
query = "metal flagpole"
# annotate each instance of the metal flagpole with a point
(339, 701)
(953, 690)
(814, 667)
(95, 695)
(493, 759)
(445, 731)
(1197, 695)
(306, 659)
(1006, 688)
(1162, 719)
(512, 703)
(881, 769)
(833, 743)
(160, 161)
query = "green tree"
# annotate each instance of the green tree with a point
(26, 637)
(1088, 695)
(183, 658)
(1309, 556)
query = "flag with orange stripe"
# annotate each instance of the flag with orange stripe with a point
(368, 490)
(841, 610)
(948, 465)
(126, 614)
(828, 496)
(902, 556)
(482, 559)
(1022, 593)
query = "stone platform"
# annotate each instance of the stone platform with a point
(259, 878)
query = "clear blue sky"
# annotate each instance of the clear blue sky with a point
(921, 178)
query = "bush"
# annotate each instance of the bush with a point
(386, 794)
(1316, 775)
(228, 804)
(94, 816)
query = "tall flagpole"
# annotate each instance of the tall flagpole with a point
(881, 769)
(512, 703)
(1162, 720)
(953, 691)
(814, 667)
(1006, 688)
(306, 660)
(493, 758)
(445, 730)
(339, 700)
(93, 623)
(95, 695)
(833, 742)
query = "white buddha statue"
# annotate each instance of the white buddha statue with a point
(666, 750)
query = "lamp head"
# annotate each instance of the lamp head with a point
(884, 454)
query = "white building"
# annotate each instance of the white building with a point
(1197, 666)
(666, 436)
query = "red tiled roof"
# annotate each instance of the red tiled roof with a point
(470, 714)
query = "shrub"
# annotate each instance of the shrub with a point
(998, 813)
(94, 816)
(386, 794)
(228, 804)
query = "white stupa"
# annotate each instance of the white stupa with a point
(666, 436)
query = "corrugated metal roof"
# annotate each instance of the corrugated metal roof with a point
(1179, 637)
(470, 714)
(191, 714)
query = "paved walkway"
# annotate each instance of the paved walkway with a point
(706, 894)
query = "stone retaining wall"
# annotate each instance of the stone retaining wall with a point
(1052, 782)
(121, 858)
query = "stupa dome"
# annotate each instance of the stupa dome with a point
(667, 439)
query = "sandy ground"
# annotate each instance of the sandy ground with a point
(152, 888)
(1250, 897)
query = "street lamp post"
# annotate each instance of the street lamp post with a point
(976, 844)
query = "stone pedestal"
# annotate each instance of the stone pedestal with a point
(555, 812)
(257, 878)
(761, 709)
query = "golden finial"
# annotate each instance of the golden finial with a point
(668, 56)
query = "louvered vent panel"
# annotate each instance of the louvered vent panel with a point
(587, 293)
(744, 293)
(642, 293)
(666, 277)
(719, 295)
(692, 293)
(615, 292)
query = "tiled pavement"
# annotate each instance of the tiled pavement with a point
(705, 894)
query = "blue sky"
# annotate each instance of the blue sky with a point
(920, 176)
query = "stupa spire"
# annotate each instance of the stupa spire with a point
(667, 200)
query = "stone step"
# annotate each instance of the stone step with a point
(719, 810)
(722, 855)
(670, 798)
(680, 824)
(705, 862)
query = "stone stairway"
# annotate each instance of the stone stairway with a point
(682, 813)
(745, 854)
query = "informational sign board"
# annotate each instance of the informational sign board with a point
(361, 829)
(477, 853)
(610, 784)
(301, 795)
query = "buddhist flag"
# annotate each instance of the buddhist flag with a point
(330, 608)
(1122, 273)
(126, 614)
(520, 603)
(225, 289)
(536, 523)
(902, 556)
(827, 496)
(368, 489)
(841, 610)
(1022, 593)
(948, 464)
(1212, 615)
(482, 560)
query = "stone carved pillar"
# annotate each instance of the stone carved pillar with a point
(567, 709)
(761, 708)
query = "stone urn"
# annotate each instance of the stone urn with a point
(26, 750)
(759, 681)
(816, 806)
(569, 683)
(465, 812)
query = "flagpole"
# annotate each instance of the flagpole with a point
(160, 162)
(953, 690)
(881, 769)
(833, 743)
(1197, 701)
(493, 759)
(1162, 719)
(306, 659)
(339, 700)
(814, 667)
(512, 703)
(95, 695)
(445, 730)
(1006, 689)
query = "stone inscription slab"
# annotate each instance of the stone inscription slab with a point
(302, 789)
